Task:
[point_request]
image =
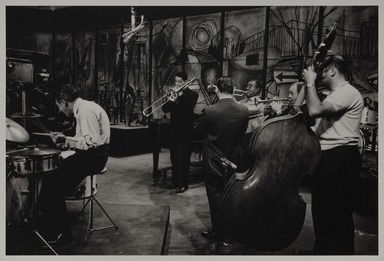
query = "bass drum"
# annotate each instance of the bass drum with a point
(17, 198)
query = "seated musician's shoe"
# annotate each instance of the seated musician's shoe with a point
(181, 190)
(171, 186)
(209, 233)
(221, 248)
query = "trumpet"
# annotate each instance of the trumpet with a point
(267, 102)
(172, 94)
(272, 100)
(236, 92)
(239, 92)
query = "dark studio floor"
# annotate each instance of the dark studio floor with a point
(156, 221)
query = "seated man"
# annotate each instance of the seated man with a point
(295, 104)
(91, 154)
(295, 100)
(256, 110)
(256, 117)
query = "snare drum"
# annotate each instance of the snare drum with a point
(368, 117)
(83, 189)
(24, 165)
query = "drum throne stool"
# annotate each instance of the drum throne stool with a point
(91, 198)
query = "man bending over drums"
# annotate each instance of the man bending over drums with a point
(91, 153)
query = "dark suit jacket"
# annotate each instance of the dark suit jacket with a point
(223, 125)
(182, 116)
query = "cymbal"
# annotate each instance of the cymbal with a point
(39, 152)
(15, 132)
(31, 115)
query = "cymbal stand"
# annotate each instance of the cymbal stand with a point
(35, 211)
(24, 105)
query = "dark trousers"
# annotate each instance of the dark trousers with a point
(181, 160)
(216, 178)
(334, 184)
(55, 186)
(214, 187)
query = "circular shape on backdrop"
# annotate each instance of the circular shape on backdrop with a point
(202, 34)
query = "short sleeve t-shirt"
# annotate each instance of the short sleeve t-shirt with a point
(341, 128)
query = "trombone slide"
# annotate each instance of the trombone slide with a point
(151, 108)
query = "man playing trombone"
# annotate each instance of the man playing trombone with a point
(181, 103)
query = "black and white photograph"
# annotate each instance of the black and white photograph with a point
(150, 129)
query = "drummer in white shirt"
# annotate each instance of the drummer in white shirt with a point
(91, 146)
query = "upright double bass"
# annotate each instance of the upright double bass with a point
(261, 207)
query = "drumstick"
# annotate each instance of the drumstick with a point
(42, 133)
(60, 135)
(15, 151)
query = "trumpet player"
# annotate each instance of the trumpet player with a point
(180, 106)
(256, 117)
(256, 109)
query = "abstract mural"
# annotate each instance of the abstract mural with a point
(272, 44)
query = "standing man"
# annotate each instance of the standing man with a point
(91, 145)
(337, 126)
(181, 132)
(223, 125)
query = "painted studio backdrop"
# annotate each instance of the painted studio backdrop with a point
(125, 73)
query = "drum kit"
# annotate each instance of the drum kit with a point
(24, 169)
(368, 131)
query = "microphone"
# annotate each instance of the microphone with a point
(227, 163)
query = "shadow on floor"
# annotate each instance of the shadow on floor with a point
(140, 206)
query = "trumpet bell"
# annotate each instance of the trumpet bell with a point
(239, 92)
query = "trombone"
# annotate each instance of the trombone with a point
(170, 94)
